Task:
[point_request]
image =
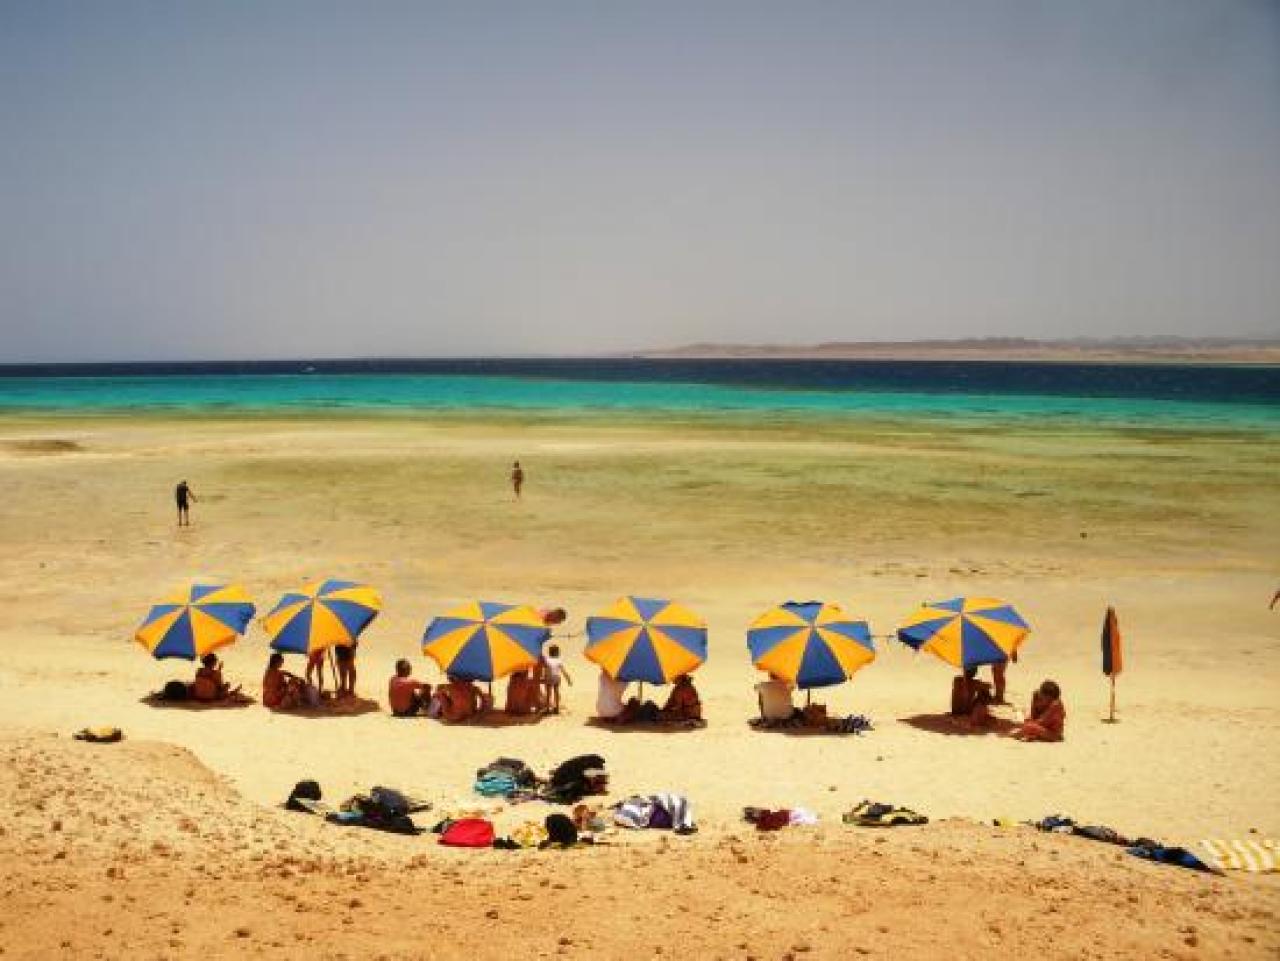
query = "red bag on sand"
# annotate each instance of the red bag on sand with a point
(468, 833)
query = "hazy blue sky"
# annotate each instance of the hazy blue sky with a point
(267, 179)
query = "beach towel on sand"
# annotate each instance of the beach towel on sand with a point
(659, 811)
(1259, 856)
(873, 814)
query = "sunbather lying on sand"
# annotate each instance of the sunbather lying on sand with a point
(1048, 718)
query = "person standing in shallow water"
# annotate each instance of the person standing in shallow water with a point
(184, 497)
(517, 478)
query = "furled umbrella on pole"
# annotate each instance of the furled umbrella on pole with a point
(646, 640)
(484, 640)
(322, 615)
(195, 621)
(810, 644)
(1112, 655)
(966, 632)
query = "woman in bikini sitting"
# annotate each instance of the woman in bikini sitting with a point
(1048, 716)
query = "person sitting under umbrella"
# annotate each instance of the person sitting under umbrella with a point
(683, 704)
(280, 689)
(461, 699)
(611, 697)
(524, 693)
(774, 696)
(209, 685)
(971, 698)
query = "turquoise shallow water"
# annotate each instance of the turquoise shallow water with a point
(1241, 398)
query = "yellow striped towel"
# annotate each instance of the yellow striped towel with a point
(1258, 856)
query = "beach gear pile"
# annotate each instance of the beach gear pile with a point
(513, 780)
(380, 808)
(1144, 848)
(817, 722)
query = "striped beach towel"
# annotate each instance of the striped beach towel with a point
(1258, 857)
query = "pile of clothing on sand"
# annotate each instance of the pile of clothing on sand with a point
(568, 783)
(1142, 847)
(381, 808)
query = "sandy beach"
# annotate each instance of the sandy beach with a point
(169, 844)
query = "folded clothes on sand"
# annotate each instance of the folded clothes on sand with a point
(496, 784)
(767, 820)
(531, 834)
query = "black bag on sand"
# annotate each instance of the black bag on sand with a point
(389, 803)
(305, 791)
(575, 768)
(561, 831)
(174, 691)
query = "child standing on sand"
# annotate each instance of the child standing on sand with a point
(553, 670)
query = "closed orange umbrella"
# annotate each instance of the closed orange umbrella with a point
(1112, 655)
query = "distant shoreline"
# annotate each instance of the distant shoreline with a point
(1206, 351)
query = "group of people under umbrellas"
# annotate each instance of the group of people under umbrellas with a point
(800, 645)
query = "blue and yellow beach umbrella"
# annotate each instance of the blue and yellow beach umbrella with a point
(323, 614)
(483, 641)
(194, 621)
(810, 644)
(966, 631)
(647, 640)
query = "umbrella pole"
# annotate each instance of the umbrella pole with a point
(1112, 718)
(333, 669)
(808, 696)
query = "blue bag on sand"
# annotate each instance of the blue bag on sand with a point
(496, 784)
